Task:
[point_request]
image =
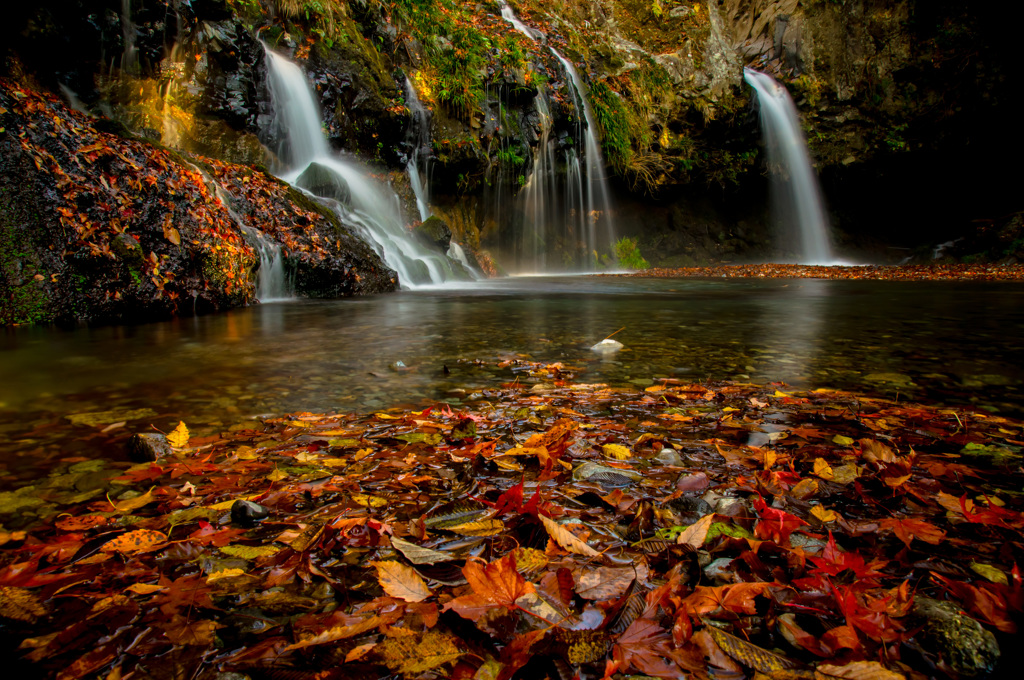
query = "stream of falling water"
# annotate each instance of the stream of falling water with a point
(372, 208)
(796, 196)
(580, 209)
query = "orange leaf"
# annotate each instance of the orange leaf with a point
(134, 541)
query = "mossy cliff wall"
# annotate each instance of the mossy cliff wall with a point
(904, 103)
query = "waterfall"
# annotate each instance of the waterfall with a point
(371, 208)
(585, 193)
(418, 138)
(130, 55)
(598, 203)
(796, 196)
(272, 284)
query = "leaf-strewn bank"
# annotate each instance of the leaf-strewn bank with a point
(98, 226)
(686, 529)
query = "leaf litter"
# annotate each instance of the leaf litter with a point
(572, 529)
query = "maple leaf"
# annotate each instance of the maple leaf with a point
(989, 602)
(909, 529)
(775, 525)
(496, 584)
(834, 561)
(737, 598)
(645, 645)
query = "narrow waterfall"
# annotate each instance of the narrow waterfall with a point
(598, 203)
(272, 283)
(796, 195)
(371, 208)
(418, 137)
(581, 212)
(130, 55)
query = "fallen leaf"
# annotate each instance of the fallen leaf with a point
(566, 539)
(134, 541)
(695, 534)
(401, 581)
(178, 438)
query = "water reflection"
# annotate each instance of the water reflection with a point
(955, 343)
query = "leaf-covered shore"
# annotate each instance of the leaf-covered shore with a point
(686, 530)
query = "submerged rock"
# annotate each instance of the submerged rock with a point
(147, 447)
(958, 640)
(248, 513)
(323, 182)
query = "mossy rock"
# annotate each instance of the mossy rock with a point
(434, 233)
(322, 181)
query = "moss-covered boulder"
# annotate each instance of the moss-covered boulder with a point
(434, 232)
(321, 181)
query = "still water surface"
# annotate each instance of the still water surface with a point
(954, 343)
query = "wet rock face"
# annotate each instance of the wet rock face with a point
(435, 233)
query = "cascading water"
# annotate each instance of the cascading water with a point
(130, 55)
(418, 138)
(373, 209)
(585, 197)
(796, 196)
(272, 283)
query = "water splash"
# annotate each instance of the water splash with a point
(796, 195)
(372, 208)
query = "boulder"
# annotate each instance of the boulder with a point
(434, 233)
(322, 181)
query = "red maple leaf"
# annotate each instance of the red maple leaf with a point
(775, 525)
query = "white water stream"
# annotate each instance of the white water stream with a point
(372, 208)
(585, 214)
(796, 196)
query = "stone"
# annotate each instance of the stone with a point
(959, 641)
(322, 181)
(147, 447)
(434, 233)
(247, 513)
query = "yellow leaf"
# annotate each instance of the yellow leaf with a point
(130, 504)
(566, 538)
(695, 534)
(655, 388)
(484, 527)
(616, 451)
(769, 459)
(991, 573)
(804, 489)
(823, 469)
(178, 438)
(277, 475)
(144, 588)
(224, 573)
(226, 505)
(842, 441)
(369, 501)
(306, 457)
(780, 394)
(819, 512)
(401, 581)
(246, 453)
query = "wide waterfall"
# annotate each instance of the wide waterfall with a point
(578, 207)
(796, 196)
(372, 208)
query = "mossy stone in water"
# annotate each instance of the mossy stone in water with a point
(962, 643)
(322, 181)
(435, 233)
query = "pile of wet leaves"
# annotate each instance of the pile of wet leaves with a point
(908, 272)
(562, 530)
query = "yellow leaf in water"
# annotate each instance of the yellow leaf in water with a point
(369, 501)
(246, 453)
(130, 504)
(822, 469)
(224, 573)
(805, 489)
(277, 475)
(226, 505)
(616, 451)
(178, 438)
(484, 527)
(401, 581)
(306, 457)
(819, 512)
(144, 588)
(780, 394)
(362, 453)
(842, 441)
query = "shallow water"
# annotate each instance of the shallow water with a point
(954, 343)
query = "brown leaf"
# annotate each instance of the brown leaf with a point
(20, 604)
(858, 670)
(749, 654)
(401, 581)
(567, 539)
(418, 554)
(338, 633)
(604, 583)
(695, 534)
(181, 631)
